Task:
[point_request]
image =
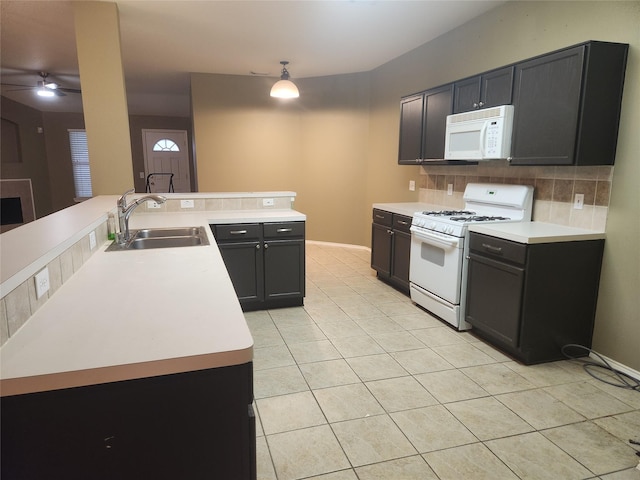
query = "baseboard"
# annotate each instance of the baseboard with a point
(617, 366)
(332, 244)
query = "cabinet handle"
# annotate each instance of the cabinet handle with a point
(284, 230)
(401, 222)
(379, 216)
(475, 105)
(390, 232)
(266, 245)
(238, 232)
(258, 247)
(492, 248)
(481, 104)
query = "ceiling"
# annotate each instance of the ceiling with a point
(163, 41)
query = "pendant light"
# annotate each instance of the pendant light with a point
(284, 88)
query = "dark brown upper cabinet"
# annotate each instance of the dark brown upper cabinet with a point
(567, 106)
(490, 89)
(423, 119)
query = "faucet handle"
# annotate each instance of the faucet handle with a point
(122, 201)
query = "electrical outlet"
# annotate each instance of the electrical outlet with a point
(578, 201)
(92, 240)
(267, 202)
(142, 175)
(450, 189)
(412, 185)
(152, 204)
(42, 282)
(186, 203)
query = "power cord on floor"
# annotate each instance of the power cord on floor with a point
(623, 380)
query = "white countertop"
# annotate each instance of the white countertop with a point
(134, 314)
(406, 208)
(536, 232)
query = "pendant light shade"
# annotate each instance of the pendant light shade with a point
(284, 88)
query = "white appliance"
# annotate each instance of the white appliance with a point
(439, 246)
(480, 134)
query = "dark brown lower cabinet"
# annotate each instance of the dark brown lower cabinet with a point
(195, 425)
(391, 247)
(266, 262)
(531, 300)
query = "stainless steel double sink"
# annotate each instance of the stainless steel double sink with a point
(163, 238)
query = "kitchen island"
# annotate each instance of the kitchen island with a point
(139, 365)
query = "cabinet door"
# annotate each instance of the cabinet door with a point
(411, 118)
(497, 88)
(490, 89)
(466, 94)
(494, 299)
(400, 261)
(244, 262)
(381, 238)
(284, 269)
(437, 105)
(547, 105)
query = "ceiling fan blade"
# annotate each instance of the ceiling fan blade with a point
(68, 90)
(15, 85)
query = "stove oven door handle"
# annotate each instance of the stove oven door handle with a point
(433, 239)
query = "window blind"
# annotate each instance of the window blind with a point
(80, 162)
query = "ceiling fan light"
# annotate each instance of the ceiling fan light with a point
(284, 89)
(45, 92)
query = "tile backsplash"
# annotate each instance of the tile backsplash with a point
(554, 189)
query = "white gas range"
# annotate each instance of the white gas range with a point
(439, 246)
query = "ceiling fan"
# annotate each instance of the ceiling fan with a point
(44, 87)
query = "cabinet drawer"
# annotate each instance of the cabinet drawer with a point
(237, 231)
(401, 222)
(498, 248)
(382, 217)
(284, 230)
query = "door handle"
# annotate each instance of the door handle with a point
(491, 248)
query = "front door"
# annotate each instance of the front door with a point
(166, 153)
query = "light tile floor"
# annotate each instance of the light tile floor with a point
(362, 384)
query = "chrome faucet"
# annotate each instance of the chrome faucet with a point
(125, 211)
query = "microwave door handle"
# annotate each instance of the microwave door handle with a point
(483, 133)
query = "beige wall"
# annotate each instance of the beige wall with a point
(315, 145)
(104, 99)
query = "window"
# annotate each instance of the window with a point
(80, 162)
(166, 145)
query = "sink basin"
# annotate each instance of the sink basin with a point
(168, 232)
(163, 238)
(164, 242)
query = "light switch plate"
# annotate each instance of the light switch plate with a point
(42, 282)
(412, 185)
(450, 189)
(578, 202)
(92, 240)
(186, 203)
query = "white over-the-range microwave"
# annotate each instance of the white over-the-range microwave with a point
(480, 134)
